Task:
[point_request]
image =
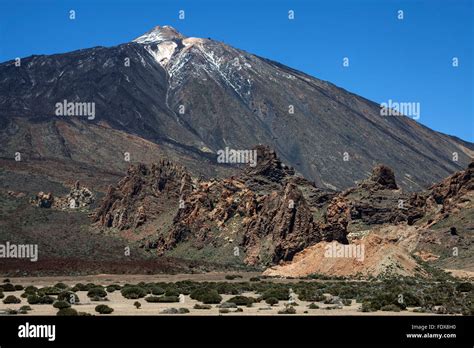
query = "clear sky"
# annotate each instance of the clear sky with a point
(407, 60)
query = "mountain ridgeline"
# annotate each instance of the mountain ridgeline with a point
(188, 98)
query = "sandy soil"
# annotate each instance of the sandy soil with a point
(123, 306)
(107, 279)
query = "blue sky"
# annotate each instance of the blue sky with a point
(407, 60)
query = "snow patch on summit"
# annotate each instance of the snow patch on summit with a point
(159, 34)
(163, 52)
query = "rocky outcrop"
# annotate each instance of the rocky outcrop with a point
(144, 193)
(268, 166)
(283, 226)
(377, 200)
(454, 189)
(382, 178)
(80, 197)
(43, 200)
(337, 217)
(372, 255)
(267, 212)
(263, 211)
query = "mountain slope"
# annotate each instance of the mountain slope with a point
(195, 97)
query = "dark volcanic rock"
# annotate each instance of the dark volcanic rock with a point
(197, 96)
(269, 165)
(382, 177)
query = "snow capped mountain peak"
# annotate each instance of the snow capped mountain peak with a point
(159, 34)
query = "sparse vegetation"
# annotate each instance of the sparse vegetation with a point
(382, 294)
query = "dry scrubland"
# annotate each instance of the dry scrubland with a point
(249, 293)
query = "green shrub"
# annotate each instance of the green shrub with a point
(206, 295)
(224, 310)
(25, 308)
(172, 292)
(133, 292)
(156, 290)
(227, 288)
(97, 292)
(255, 279)
(103, 309)
(232, 276)
(11, 299)
(288, 310)
(282, 294)
(271, 301)
(368, 307)
(19, 287)
(79, 287)
(7, 287)
(169, 311)
(152, 299)
(35, 299)
(310, 295)
(313, 306)
(67, 312)
(202, 306)
(137, 304)
(61, 286)
(162, 299)
(183, 310)
(49, 291)
(390, 308)
(464, 287)
(113, 287)
(346, 302)
(31, 289)
(1, 294)
(82, 287)
(61, 304)
(242, 300)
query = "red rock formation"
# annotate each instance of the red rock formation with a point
(144, 192)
